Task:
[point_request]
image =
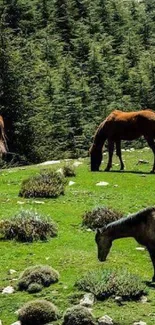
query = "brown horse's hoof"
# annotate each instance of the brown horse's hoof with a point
(107, 170)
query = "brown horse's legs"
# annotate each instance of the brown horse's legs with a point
(151, 144)
(110, 150)
(119, 154)
(152, 255)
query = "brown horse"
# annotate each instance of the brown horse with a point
(140, 226)
(122, 126)
(3, 143)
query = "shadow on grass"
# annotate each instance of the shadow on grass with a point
(127, 172)
(150, 284)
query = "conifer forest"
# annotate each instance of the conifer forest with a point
(66, 64)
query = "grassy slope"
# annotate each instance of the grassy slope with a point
(73, 252)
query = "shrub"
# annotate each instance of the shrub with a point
(27, 226)
(37, 312)
(34, 278)
(46, 184)
(68, 171)
(78, 315)
(104, 284)
(100, 217)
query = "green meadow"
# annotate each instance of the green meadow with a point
(74, 252)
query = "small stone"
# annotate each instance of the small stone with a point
(102, 184)
(105, 320)
(50, 162)
(140, 248)
(143, 299)
(11, 271)
(71, 183)
(77, 163)
(118, 299)
(141, 161)
(87, 300)
(8, 290)
(0, 322)
(60, 170)
(16, 323)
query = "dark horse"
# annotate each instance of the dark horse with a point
(140, 226)
(122, 126)
(3, 143)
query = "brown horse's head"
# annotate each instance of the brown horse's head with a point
(104, 243)
(96, 157)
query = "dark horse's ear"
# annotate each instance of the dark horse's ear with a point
(100, 231)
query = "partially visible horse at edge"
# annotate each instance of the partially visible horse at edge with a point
(122, 126)
(140, 226)
(3, 142)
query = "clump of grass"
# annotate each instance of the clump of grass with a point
(28, 226)
(38, 312)
(78, 315)
(48, 184)
(68, 171)
(34, 278)
(104, 284)
(100, 217)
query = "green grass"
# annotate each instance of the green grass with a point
(74, 251)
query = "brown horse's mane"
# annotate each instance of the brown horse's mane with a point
(132, 219)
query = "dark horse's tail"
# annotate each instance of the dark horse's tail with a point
(96, 148)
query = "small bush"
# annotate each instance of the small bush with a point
(104, 284)
(100, 217)
(27, 226)
(38, 312)
(78, 315)
(48, 184)
(34, 278)
(68, 171)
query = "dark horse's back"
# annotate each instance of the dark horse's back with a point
(130, 125)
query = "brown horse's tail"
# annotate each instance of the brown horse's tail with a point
(3, 142)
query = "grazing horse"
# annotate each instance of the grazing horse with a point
(122, 126)
(140, 226)
(3, 143)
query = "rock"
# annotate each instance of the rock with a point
(102, 184)
(118, 299)
(16, 323)
(139, 323)
(71, 183)
(77, 163)
(141, 161)
(143, 299)
(105, 320)
(11, 271)
(0, 322)
(60, 170)
(8, 290)
(50, 162)
(87, 300)
(140, 248)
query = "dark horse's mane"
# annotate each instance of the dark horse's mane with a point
(132, 219)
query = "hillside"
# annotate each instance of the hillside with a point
(64, 65)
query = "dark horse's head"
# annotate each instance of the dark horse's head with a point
(104, 243)
(96, 157)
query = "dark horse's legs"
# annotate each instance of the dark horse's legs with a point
(119, 154)
(152, 255)
(151, 144)
(110, 151)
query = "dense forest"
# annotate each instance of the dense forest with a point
(66, 64)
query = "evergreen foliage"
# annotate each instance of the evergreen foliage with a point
(65, 65)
